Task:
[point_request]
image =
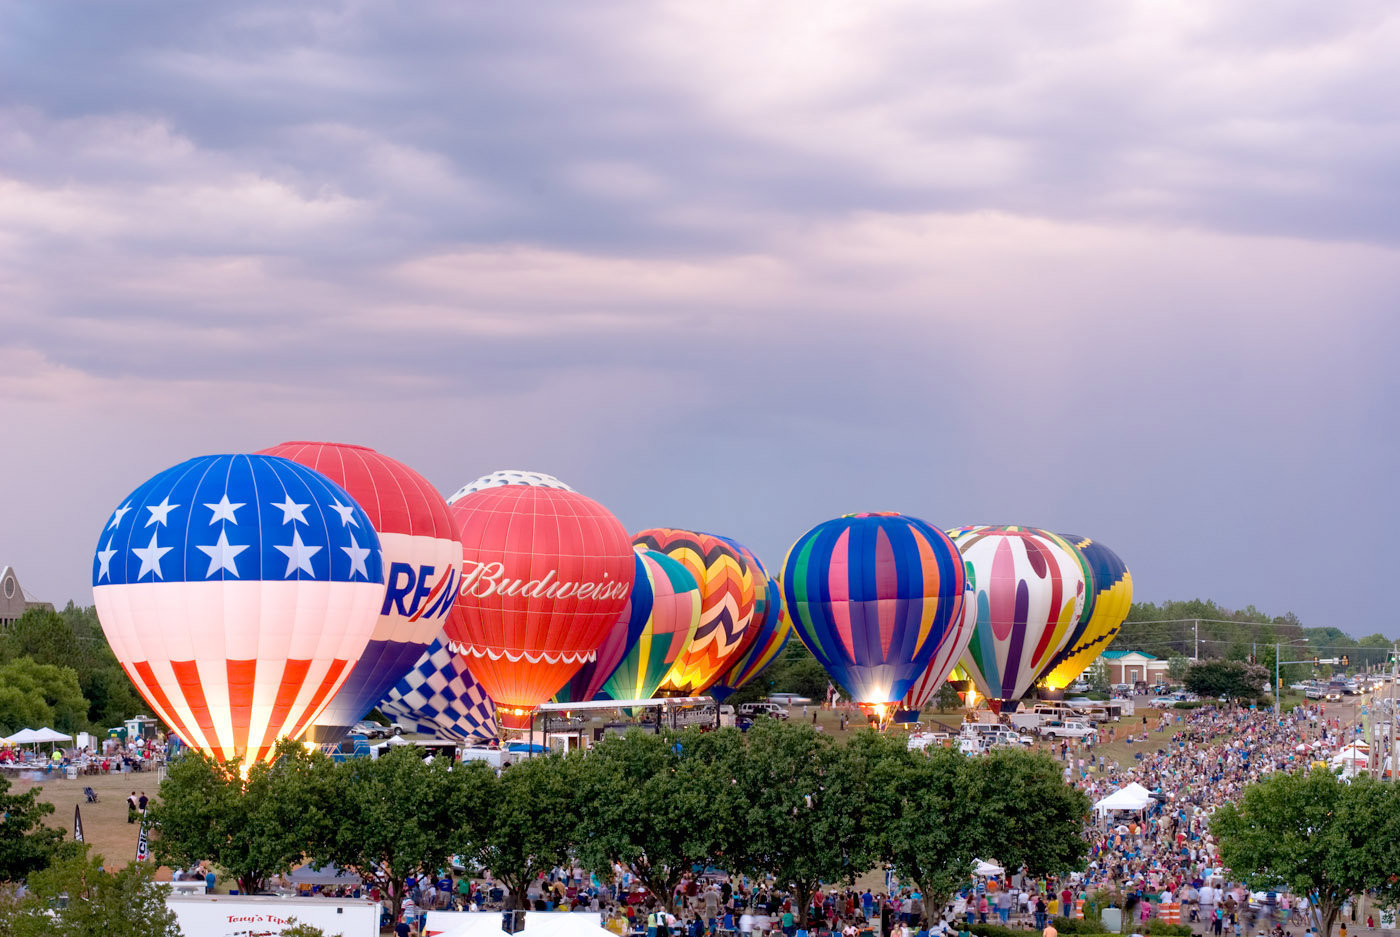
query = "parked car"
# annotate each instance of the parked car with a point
(1066, 730)
(763, 709)
(789, 699)
(373, 730)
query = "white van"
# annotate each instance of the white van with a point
(763, 709)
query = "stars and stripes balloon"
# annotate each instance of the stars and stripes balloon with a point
(666, 598)
(1029, 594)
(727, 596)
(237, 592)
(545, 574)
(422, 559)
(873, 596)
(438, 696)
(1109, 599)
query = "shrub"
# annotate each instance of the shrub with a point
(1189, 704)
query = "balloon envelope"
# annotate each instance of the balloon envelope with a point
(671, 617)
(545, 575)
(422, 557)
(770, 635)
(872, 596)
(507, 477)
(1029, 594)
(950, 650)
(238, 591)
(726, 583)
(589, 678)
(1110, 598)
(438, 696)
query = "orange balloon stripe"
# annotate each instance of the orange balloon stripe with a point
(187, 676)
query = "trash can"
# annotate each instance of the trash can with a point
(1112, 919)
(72, 772)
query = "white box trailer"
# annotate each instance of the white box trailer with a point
(537, 924)
(266, 915)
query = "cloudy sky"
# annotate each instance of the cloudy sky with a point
(1122, 269)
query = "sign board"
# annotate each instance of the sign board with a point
(267, 916)
(488, 924)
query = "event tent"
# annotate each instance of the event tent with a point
(1132, 797)
(23, 737)
(50, 735)
(988, 868)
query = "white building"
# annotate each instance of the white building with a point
(1132, 666)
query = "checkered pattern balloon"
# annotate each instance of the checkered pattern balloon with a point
(439, 697)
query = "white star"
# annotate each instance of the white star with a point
(104, 557)
(297, 553)
(347, 514)
(291, 511)
(160, 512)
(118, 514)
(357, 555)
(223, 511)
(221, 555)
(150, 556)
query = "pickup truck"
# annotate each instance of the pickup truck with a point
(1066, 730)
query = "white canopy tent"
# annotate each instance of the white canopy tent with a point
(50, 735)
(988, 868)
(1132, 797)
(23, 737)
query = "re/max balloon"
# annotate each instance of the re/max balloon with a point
(1029, 593)
(439, 697)
(545, 574)
(238, 591)
(422, 559)
(873, 597)
(1110, 598)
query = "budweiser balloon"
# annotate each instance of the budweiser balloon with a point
(422, 556)
(546, 572)
(238, 591)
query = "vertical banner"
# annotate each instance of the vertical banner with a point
(143, 851)
(77, 824)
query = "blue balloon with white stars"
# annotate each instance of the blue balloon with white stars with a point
(237, 517)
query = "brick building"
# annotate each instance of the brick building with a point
(14, 601)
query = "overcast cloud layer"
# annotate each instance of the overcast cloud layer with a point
(1126, 270)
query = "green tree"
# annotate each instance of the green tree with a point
(26, 844)
(527, 825)
(1177, 667)
(253, 828)
(402, 815)
(1315, 834)
(947, 698)
(659, 804)
(1096, 675)
(34, 694)
(1230, 679)
(811, 816)
(76, 897)
(936, 856)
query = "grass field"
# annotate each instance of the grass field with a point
(104, 823)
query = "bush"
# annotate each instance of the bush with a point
(1163, 929)
(995, 930)
(1189, 704)
(1068, 925)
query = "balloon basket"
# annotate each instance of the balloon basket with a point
(514, 718)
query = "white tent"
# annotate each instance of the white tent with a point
(988, 868)
(1132, 797)
(23, 737)
(50, 735)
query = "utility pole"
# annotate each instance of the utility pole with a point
(1278, 682)
(1391, 722)
(1197, 656)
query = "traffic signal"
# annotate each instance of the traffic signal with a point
(1346, 661)
(1314, 660)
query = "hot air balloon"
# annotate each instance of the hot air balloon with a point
(589, 678)
(726, 605)
(439, 697)
(671, 617)
(769, 636)
(1109, 599)
(545, 574)
(873, 596)
(238, 591)
(951, 649)
(422, 560)
(508, 477)
(1030, 591)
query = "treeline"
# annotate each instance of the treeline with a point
(1172, 628)
(782, 800)
(57, 670)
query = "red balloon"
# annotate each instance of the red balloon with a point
(545, 574)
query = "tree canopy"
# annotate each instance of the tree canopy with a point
(77, 897)
(1315, 834)
(1228, 679)
(26, 843)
